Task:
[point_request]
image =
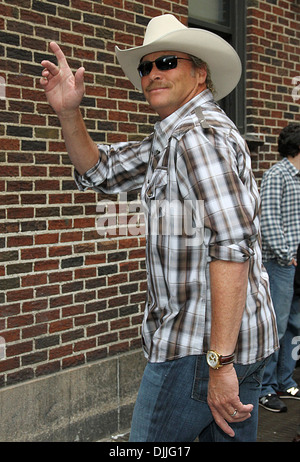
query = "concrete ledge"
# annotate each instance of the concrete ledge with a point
(87, 403)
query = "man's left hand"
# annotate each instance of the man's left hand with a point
(223, 399)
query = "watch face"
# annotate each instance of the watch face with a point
(212, 359)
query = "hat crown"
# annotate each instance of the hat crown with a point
(160, 26)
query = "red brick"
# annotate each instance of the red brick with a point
(10, 144)
(63, 324)
(85, 345)
(73, 361)
(9, 364)
(34, 331)
(19, 241)
(19, 348)
(21, 320)
(47, 265)
(60, 352)
(16, 295)
(46, 239)
(36, 252)
(36, 305)
(60, 250)
(61, 301)
(32, 280)
(16, 213)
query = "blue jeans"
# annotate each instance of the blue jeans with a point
(278, 374)
(172, 403)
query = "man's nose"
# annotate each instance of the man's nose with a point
(155, 73)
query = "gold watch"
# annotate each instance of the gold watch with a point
(215, 360)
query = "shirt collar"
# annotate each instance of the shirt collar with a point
(165, 127)
(290, 167)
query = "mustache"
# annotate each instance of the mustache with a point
(157, 86)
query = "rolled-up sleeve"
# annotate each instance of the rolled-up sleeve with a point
(240, 252)
(121, 167)
(90, 179)
(219, 173)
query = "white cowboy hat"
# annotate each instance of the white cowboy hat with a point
(166, 33)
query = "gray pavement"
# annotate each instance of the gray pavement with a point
(280, 427)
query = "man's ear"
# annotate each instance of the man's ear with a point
(202, 74)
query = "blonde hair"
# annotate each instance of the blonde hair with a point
(202, 65)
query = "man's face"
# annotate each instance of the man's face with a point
(167, 91)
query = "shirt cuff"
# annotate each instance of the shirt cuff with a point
(284, 260)
(238, 253)
(89, 179)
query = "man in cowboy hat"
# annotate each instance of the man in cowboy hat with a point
(208, 317)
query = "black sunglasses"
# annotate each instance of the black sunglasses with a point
(163, 63)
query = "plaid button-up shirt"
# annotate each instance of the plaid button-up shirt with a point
(201, 203)
(280, 212)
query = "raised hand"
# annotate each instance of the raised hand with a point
(64, 92)
(63, 89)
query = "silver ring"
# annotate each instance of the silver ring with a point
(234, 413)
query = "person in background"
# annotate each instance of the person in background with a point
(280, 225)
(297, 275)
(297, 293)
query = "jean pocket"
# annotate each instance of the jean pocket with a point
(251, 373)
(259, 372)
(201, 376)
(245, 373)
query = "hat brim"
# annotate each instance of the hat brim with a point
(222, 60)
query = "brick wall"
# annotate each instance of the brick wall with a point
(273, 50)
(67, 295)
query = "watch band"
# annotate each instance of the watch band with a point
(226, 359)
(215, 360)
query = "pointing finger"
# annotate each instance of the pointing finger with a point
(62, 62)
